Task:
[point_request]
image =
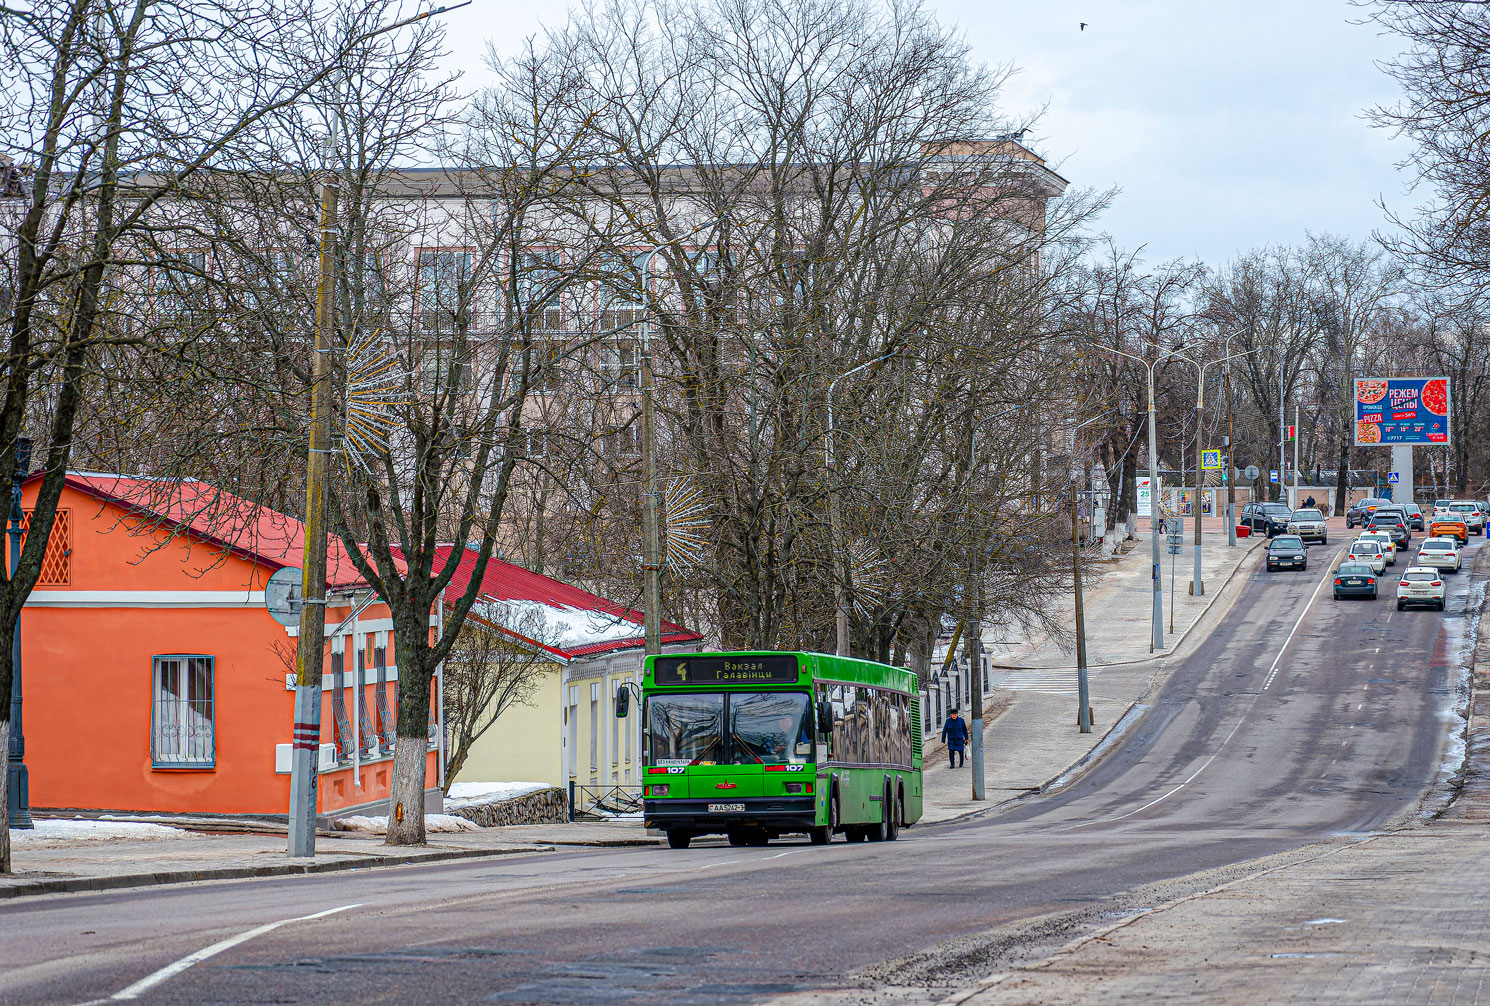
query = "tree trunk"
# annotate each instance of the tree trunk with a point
(406, 797)
(411, 747)
(1342, 477)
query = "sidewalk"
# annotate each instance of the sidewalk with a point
(1034, 741)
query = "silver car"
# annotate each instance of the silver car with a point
(1470, 513)
(1309, 524)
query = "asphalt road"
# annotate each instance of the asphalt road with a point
(1299, 718)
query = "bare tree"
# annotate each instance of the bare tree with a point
(490, 669)
(96, 101)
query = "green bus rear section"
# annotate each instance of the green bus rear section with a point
(860, 786)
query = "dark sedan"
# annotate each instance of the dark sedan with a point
(1355, 579)
(1287, 551)
(1415, 520)
(1394, 525)
(1362, 510)
(1267, 518)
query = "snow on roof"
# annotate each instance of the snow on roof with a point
(561, 618)
(216, 517)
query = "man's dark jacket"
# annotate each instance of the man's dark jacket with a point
(954, 732)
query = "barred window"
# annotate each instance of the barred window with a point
(184, 713)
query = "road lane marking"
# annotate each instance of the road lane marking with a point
(1272, 673)
(172, 970)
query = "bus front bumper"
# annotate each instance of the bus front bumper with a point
(700, 817)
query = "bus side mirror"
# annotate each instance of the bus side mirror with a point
(623, 701)
(824, 716)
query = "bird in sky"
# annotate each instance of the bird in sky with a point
(1083, 26)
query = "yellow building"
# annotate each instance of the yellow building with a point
(590, 646)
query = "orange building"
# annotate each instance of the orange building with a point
(156, 680)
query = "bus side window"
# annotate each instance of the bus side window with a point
(835, 744)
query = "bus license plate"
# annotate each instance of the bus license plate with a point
(726, 808)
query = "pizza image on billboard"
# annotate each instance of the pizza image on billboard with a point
(1369, 391)
(1402, 410)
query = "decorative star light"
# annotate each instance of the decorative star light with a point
(374, 390)
(685, 525)
(867, 568)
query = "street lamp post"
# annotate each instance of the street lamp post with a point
(840, 577)
(1197, 583)
(1157, 640)
(1083, 698)
(18, 779)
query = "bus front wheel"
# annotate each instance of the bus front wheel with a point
(678, 839)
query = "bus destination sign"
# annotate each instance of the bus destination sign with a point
(688, 670)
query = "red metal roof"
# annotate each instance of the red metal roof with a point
(218, 518)
(505, 582)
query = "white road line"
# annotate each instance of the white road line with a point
(1272, 673)
(171, 970)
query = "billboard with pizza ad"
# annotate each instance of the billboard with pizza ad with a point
(1401, 410)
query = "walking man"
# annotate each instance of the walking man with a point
(954, 735)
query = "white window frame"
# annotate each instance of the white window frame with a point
(183, 719)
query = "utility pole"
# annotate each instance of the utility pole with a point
(18, 779)
(1293, 504)
(975, 632)
(1230, 462)
(1083, 696)
(840, 557)
(310, 645)
(651, 495)
(652, 557)
(1282, 431)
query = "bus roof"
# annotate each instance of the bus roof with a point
(819, 666)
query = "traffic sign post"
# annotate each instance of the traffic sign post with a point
(1272, 475)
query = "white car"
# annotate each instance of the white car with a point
(1309, 524)
(1369, 552)
(1470, 513)
(1441, 553)
(1420, 585)
(1385, 541)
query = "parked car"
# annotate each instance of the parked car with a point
(1440, 553)
(1420, 585)
(1415, 519)
(1287, 550)
(1267, 518)
(1369, 552)
(1362, 509)
(1469, 512)
(1450, 527)
(1386, 542)
(1355, 579)
(1393, 524)
(1308, 523)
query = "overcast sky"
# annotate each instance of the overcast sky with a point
(1226, 125)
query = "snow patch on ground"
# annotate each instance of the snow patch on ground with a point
(472, 794)
(52, 831)
(433, 823)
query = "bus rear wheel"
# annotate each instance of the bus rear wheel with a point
(678, 839)
(897, 813)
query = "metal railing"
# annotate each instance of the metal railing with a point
(599, 803)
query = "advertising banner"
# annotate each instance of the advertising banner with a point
(1401, 410)
(1144, 496)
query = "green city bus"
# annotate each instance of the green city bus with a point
(755, 745)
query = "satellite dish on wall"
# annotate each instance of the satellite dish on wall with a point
(282, 595)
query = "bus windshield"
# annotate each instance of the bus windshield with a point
(765, 728)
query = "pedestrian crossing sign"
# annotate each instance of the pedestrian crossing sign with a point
(1210, 459)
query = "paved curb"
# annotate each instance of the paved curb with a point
(75, 885)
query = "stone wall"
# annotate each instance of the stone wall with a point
(547, 806)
